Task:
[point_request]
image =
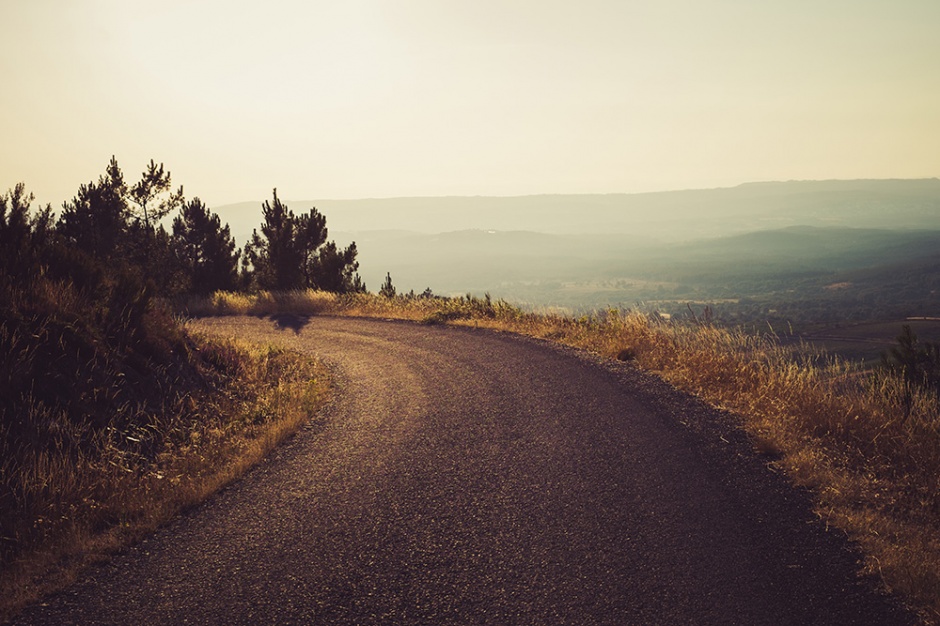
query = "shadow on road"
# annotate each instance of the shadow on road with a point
(290, 321)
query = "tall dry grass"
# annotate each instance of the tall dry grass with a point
(88, 491)
(867, 443)
(310, 302)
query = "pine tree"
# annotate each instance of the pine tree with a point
(291, 252)
(311, 234)
(335, 269)
(204, 249)
(117, 225)
(917, 361)
(96, 220)
(24, 237)
(388, 289)
(151, 198)
(275, 254)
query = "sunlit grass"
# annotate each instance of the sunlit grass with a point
(866, 443)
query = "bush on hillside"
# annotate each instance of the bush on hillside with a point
(90, 358)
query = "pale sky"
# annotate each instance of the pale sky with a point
(385, 98)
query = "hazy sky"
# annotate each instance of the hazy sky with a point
(378, 98)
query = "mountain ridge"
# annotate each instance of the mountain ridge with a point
(680, 215)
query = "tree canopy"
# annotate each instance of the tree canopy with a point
(291, 252)
(204, 249)
(115, 227)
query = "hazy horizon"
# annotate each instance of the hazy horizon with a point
(671, 215)
(595, 249)
(750, 183)
(421, 98)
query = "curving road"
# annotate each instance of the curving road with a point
(472, 477)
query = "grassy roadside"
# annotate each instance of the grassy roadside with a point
(868, 445)
(83, 490)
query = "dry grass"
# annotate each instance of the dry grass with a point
(309, 302)
(96, 491)
(867, 444)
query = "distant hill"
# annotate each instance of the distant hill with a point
(797, 249)
(781, 242)
(666, 216)
(479, 261)
(566, 269)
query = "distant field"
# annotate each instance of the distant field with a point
(866, 342)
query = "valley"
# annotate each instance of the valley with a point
(803, 258)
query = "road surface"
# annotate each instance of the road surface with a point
(470, 477)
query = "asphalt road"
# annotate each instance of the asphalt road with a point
(471, 477)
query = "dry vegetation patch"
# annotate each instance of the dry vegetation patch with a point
(867, 443)
(74, 490)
